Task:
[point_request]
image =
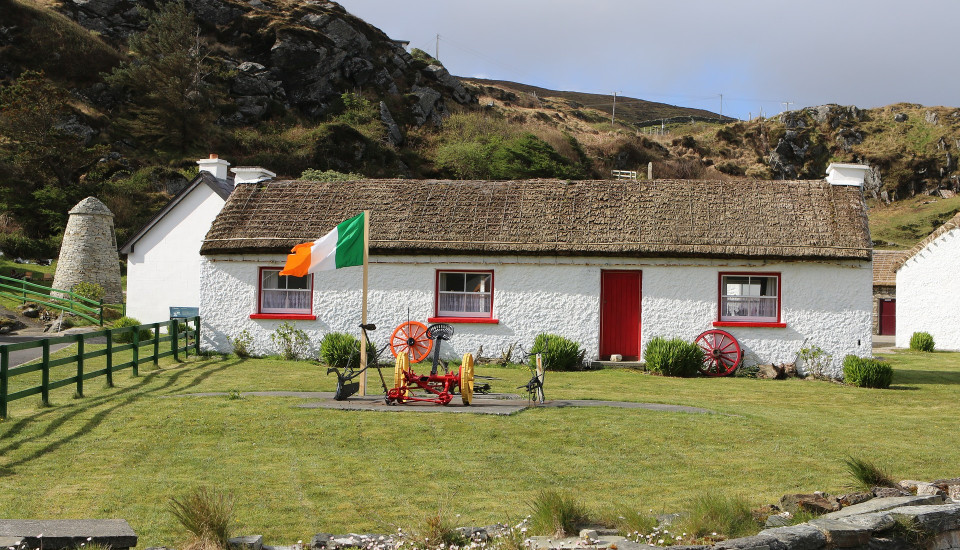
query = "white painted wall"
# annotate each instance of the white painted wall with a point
(828, 303)
(928, 293)
(164, 268)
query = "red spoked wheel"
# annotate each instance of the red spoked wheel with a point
(411, 338)
(721, 352)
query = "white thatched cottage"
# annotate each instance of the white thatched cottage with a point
(610, 264)
(928, 291)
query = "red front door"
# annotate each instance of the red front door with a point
(888, 316)
(620, 314)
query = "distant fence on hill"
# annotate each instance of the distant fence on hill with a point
(176, 340)
(682, 120)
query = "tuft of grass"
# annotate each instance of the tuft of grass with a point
(207, 514)
(628, 521)
(921, 341)
(557, 514)
(437, 530)
(710, 513)
(866, 474)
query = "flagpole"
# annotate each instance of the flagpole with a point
(363, 302)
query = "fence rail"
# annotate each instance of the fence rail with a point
(71, 302)
(174, 336)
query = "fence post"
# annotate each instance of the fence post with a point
(156, 344)
(109, 358)
(45, 381)
(196, 335)
(4, 367)
(175, 339)
(136, 350)
(80, 365)
(101, 312)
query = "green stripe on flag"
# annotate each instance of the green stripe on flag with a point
(350, 242)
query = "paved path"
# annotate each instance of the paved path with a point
(496, 404)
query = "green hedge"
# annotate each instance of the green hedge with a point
(126, 337)
(675, 357)
(865, 372)
(341, 350)
(558, 353)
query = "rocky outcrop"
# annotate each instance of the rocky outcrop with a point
(301, 57)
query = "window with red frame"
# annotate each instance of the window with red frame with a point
(281, 294)
(750, 298)
(465, 294)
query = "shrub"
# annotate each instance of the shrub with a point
(921, 341)
(207, 515)
(242, 343)
(556, 514)
(290, 341)
(815, 361)
(866, 474)
(675, 357)
(558, 353)
(438, 530)
(341, 350)
(311, 174)
(91, 291)
(866, 372)
(714, 513)
(126, 337)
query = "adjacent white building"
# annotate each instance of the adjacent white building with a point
(609, 264)
(163, 257)
(928, 292)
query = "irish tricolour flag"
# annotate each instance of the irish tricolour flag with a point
(342, 247)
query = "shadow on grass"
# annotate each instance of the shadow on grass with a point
(136, 392)
(936, 377)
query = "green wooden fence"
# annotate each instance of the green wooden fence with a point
(177, 340)
(71, 302)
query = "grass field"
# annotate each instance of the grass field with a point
(123, 452)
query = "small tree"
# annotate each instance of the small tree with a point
(171, 79)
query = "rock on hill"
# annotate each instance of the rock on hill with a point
(298, 55)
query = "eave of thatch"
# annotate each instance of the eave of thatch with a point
(674, 218)
(885, 263)
(950, 225)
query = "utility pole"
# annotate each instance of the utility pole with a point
(613, 115)
(721, 105)
(786, 105)
(436, 51)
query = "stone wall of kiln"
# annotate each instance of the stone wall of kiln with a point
(89, 251)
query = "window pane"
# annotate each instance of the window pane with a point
(477, 282)
(270, 279)
(452, 282)
(302, 283)
(748, 298)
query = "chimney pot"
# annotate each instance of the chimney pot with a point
(214, 165)
(847, 174)
(214, 156)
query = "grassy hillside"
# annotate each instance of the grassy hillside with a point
(902, 224)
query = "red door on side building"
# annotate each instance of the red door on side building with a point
(620, 314)
(888, 316)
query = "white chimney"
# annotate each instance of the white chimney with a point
(251, 174)
(846, 174)
(214, 165)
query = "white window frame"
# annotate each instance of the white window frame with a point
(749, 300)
(261, 290)
(486, 292)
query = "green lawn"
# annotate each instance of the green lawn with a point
(123, 452)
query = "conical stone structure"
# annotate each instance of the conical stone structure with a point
(89, 251)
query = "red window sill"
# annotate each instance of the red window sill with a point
(291, 316)
(748, 324)
(485, 320)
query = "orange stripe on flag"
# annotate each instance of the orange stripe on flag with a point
(298, 263)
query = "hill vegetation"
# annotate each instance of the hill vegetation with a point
(126, 95)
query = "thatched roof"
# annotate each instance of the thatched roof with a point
(755, 219)
(951, 224)
(885, 263)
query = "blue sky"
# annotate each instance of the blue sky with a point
(758, 53)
